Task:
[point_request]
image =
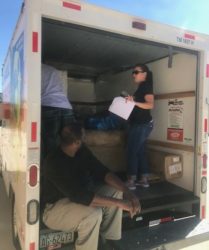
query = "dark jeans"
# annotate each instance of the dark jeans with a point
(53, 120)
(137, 160)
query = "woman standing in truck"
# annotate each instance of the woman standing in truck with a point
(140, 126)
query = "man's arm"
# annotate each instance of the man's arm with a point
(115, 182)
(102, 201)
(101, 173)
(130, 203)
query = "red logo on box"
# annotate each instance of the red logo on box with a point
(175, 134)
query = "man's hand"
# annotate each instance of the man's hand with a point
(134, 201)
(127, 206)
(102, 201)
(115, 182)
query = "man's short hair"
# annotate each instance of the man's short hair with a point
(71, 134)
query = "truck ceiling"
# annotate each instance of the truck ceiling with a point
(87, 52)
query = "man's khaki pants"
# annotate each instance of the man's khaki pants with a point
(89, 222)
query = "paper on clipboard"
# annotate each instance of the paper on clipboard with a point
(121, 107)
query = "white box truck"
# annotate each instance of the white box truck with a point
(95, 48)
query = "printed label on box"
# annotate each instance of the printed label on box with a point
(175, 169)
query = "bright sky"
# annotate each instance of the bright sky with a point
(190, 14)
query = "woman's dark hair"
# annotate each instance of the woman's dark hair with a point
(71, 134)
(145, 68)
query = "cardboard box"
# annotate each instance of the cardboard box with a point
(167, 165)
(104, 138)
(113, 157)
(109, 147)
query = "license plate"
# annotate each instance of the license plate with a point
(56, 238)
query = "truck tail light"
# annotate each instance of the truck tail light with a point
(32, 212)
(33, 175)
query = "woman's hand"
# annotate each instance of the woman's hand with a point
(129, 98)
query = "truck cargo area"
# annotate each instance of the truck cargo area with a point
(96, 66)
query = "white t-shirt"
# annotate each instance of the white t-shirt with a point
(52, 94)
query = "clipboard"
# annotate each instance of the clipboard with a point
(121, 107)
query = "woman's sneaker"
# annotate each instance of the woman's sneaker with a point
(143, 183)
(131, 185)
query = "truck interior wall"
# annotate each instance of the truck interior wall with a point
(181, 77)
(111, 85)
(82, 91)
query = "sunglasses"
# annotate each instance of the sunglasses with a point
(136, 72)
